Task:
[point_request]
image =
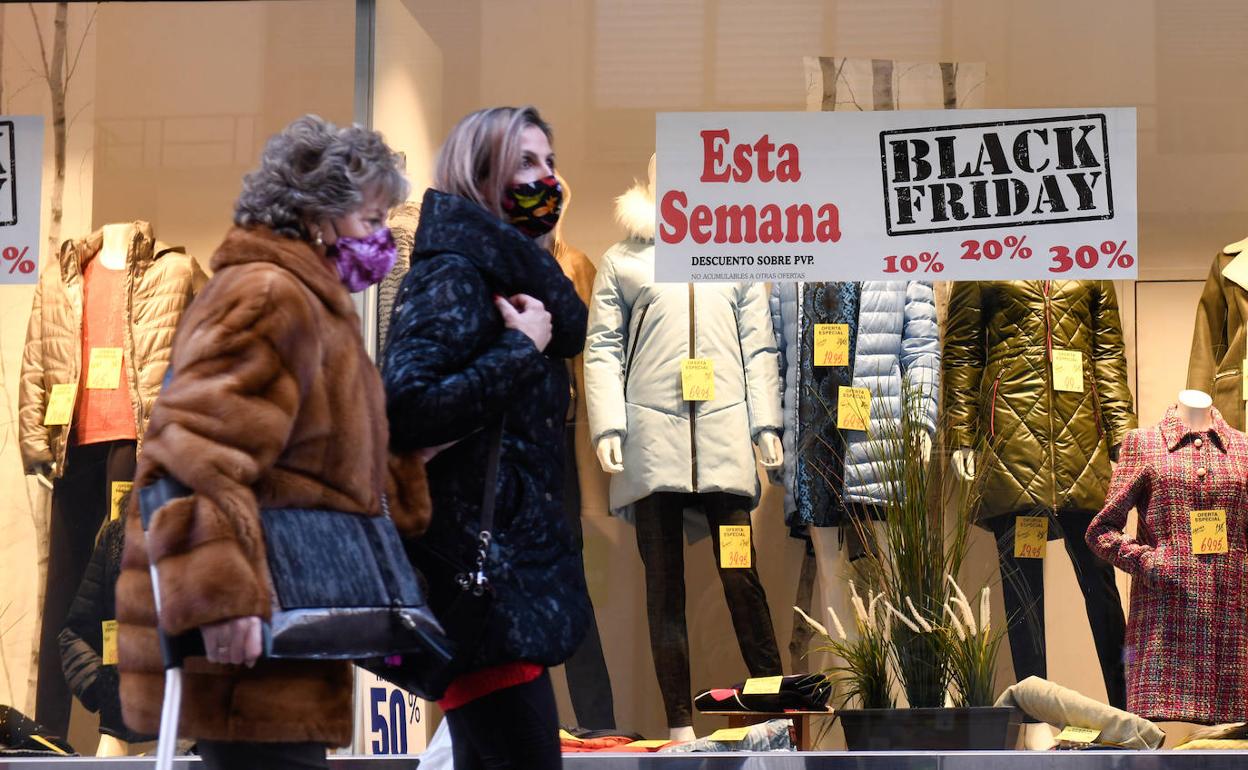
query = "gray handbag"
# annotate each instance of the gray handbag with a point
(343, 586)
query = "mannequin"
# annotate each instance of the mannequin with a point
(609, 449)
(97, 346)
(677, 462)
(891, 349)
(1196, 410)
(1220, 336)
(1185, 646)
(1040, 445)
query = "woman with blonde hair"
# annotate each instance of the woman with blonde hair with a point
(476, 376)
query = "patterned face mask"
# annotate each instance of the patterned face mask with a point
(534, 207)
(363, 262)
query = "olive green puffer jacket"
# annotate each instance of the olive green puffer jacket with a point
(1038, 449)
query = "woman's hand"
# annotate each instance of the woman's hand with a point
(235, 642)
(528, 316)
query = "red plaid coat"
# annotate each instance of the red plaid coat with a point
(1187, 635)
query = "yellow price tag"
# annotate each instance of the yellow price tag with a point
(1068, 370)
(697, 379)
(49, 744)
(831, 344)
(564, 735)
(1209, 532)
(648, 744)
(853, 408)
(729, 734)
(104, 369)
(1078, 734)
(734, 547)
(1031, 537)
(61, 404)
(764, 685)
(119, 490)
(110, 642)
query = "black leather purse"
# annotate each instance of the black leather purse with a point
(343, 587)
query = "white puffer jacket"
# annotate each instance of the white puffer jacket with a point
(639, 332)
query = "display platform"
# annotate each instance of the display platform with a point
(978, 760)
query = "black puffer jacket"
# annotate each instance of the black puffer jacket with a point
(451, 371)
(82, 638)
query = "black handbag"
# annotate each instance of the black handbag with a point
(343, 587)
(500, 610)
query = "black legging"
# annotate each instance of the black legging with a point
(660, 539)
(589, 683)
(81, 500)
(1022, 588)
(513, 729)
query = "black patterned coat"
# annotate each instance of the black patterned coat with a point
(452, 370)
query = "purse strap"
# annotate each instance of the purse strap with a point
(477, 582)
(490, 497)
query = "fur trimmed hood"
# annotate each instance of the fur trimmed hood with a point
(634, 210)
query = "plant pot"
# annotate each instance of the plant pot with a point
(930, 729)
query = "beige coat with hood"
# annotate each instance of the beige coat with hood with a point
(161, 281)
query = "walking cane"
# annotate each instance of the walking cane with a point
(174, 650)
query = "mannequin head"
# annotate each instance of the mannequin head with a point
(492, 151)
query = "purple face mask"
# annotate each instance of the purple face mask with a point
(363, 262)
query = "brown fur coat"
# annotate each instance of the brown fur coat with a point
(274, 403)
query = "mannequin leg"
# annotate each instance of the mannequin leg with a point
(799, 644)
(589, 682)
(1104, 606)
(1022, 589)
(79, 507)
(834, 573)
(660, 541)
(747, 601)
(111, 747)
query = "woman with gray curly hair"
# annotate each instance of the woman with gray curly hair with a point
(273, 403)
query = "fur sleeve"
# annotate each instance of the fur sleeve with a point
(245, 354)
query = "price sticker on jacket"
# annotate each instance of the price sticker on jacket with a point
(831, 345)
(1209, 532)
(763, 685)
(61, 404)
(108, 633)
(104, 369)
(647, 744)
(853, 408)
(1031, 537)
(118, 491)
(697, 379)
(1068, 370)
(729, 734)
(734, 547)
